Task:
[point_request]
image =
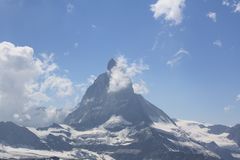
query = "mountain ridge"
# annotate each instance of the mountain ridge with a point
(120, 125)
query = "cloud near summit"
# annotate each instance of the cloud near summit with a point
(123, 72)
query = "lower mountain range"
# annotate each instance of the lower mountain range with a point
(119, 124)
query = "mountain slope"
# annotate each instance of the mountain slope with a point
(14, 135)
(98, 105)
(125, 124)
(220, 139)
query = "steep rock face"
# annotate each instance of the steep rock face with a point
(99, 104)
(14, 135)
(234, 133)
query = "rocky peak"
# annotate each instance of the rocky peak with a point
(98, 105)
(111, 64)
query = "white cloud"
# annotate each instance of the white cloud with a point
(225, 3)
(18, 69)
(70, 8)
(91, 79)
(237, 7)
(227, 108)
(66, 53)
(212, 16)
(121, 74)
(217, 43)
(177, 57)
(76, 44)
(41, 116)
(62, 86)
(234, 5)
(93, 26)
(238, 98)
(28, 81)
(171, 10)
(140, 88)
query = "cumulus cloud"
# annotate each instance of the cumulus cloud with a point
(212, 16)
(17, 70)
(122, 73)
(140, 88)
(177, 57)
(217, 43)
(170, 10)
(61, 85)
(28, 81)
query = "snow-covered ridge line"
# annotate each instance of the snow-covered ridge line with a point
(201, 132)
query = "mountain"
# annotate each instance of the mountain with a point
(119, 125)
(220, 139)
(14, 135)
(128, 125)
(98, 105)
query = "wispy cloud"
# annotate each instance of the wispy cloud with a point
(69, 8)
(212, 16)
(140, 87)
(237, 7)
(225, 3)
(67, 53)
(93, 26)
(181, 53)
(217, 43)
(227, 108)
(234, 5)
(76, 44)
(238, 97)
(170, 10)
(231, 107)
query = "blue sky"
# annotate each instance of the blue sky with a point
(193, 57)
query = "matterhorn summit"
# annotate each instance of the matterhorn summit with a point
(99, 104)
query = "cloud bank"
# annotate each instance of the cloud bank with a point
(27, 82)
